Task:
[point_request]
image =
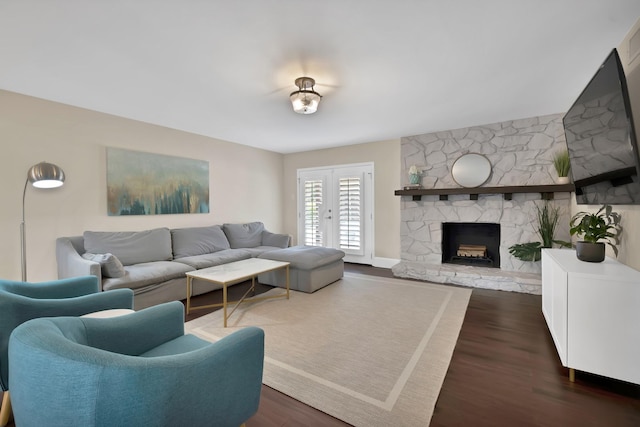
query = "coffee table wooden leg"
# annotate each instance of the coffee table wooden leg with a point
(224, 303)
(287, 282)
(188, 294)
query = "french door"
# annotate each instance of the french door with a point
(335, 209)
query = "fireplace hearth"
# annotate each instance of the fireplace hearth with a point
(471, 243)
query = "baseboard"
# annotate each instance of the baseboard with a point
(384, 262)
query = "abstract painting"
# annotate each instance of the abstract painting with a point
(154, 184)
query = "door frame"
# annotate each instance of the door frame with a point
(368, 206)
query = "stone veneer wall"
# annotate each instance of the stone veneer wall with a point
(520, 152)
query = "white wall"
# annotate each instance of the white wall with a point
(245, 183)
(386, 158)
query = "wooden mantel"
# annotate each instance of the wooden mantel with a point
(546, 191)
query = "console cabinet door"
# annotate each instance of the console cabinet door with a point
(554, 302)
(593, 313)
(604, 326)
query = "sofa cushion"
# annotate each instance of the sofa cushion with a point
(217, 258)
(276, 240)
(305, 257)
(147, 273)
(110, 265)
(197, 241)
(244, 235)
(131, 247)
(259, 250)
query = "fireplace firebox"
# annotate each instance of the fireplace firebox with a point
(471, 243)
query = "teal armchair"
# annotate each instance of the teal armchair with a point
(135, 370)
(21, 301)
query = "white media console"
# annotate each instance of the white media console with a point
(593, 313)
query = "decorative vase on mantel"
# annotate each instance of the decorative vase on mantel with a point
(414, 177)
(562, 180)
(590, 252)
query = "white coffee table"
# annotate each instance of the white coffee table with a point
(234, 272)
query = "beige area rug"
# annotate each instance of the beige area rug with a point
(370, 351)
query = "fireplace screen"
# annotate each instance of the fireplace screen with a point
(471, 243)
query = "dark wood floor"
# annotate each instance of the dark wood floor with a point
(504, 372)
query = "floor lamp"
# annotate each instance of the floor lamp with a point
(42, 175)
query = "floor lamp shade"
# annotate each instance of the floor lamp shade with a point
(45, 175)
(42, 175)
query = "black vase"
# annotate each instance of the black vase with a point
(590, 252)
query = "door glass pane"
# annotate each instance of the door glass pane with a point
(350, 213)
(312, 205)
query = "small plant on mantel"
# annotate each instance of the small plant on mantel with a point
(548, 218)
(562, 164)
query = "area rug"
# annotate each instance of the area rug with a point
(370, 351)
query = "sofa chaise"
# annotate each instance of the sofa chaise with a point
(153, 262)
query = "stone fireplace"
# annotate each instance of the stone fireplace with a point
(520, 153)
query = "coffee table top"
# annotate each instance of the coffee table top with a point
(238, 270)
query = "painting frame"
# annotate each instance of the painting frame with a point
(142, 183)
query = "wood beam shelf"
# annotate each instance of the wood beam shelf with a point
(546, 191)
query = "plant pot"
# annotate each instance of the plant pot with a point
(563, 180)
(590, 252)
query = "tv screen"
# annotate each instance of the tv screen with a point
(601, 139)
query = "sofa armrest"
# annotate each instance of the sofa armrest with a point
(71, 264)
(275, 239)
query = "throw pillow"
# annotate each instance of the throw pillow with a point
(247, 235)
(277, 240)
(110, 265)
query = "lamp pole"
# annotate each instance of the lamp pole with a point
(23, 243)
(42, 175)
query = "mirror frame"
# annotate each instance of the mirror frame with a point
(471, 170)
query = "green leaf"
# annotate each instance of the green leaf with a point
(531, 251)
(603, 225)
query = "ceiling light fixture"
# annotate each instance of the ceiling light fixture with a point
(305, 100)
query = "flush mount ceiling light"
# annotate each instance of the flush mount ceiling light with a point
(305, 100)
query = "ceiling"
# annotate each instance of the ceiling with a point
(385, 68)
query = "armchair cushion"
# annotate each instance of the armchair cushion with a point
(138, 369)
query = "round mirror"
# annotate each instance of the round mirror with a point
(471, 170)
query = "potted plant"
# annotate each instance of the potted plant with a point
(596, 229)
(547, 222)
(562, 165)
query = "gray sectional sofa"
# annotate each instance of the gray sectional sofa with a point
(153, 263)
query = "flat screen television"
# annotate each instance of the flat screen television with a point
(601, 139)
